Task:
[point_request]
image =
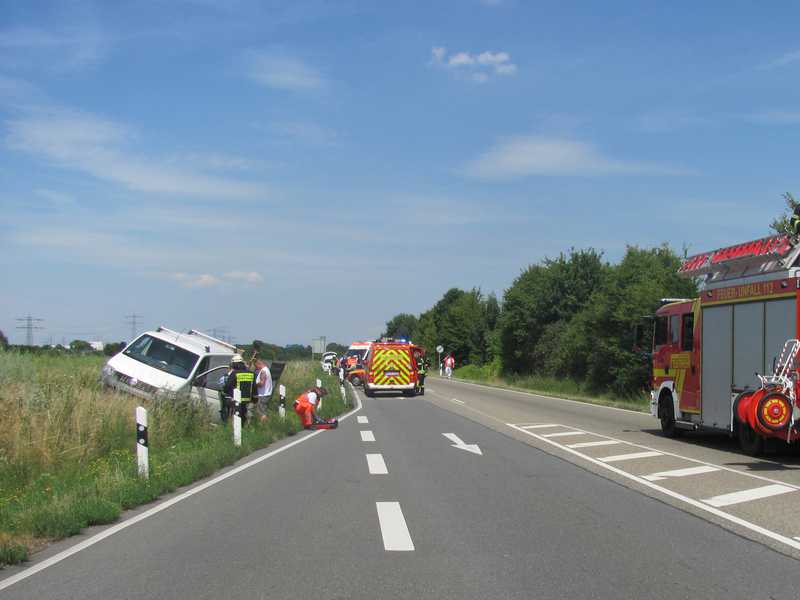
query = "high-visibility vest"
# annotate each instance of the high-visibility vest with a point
(244, 383)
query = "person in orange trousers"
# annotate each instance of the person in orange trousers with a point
(306, 405)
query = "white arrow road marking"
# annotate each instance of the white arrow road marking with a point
(376, 464)
(394, 530)
(681, 473)
(459, 443)
(747, 495)
(367, 436)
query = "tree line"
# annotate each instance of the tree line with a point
(570, 317)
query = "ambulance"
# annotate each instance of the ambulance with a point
(390, 366)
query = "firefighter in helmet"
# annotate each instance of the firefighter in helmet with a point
(241, 378)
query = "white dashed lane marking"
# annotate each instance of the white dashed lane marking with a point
(748, 495)
(367, 436)
(457, 401)
(593, 444)
(394, 530)
(363, 420)
(681, 472)
(631, 456)
(540, 426)
(376, 464)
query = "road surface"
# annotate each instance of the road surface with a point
(452, 495)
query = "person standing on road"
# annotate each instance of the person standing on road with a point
(263, 386)
(242, 379)
(449, 365)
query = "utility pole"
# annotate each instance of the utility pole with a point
(134, 321)
(29, 328)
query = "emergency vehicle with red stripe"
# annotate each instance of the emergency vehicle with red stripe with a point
(391, 366)
(728, 360)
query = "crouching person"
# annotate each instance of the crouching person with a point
(306, 408)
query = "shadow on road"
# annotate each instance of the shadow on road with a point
(777, 455)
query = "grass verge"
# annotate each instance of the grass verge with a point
(67, 447)
(548, 386)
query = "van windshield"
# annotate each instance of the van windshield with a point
(358, 353)
(163, 356)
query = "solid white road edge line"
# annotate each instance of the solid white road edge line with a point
(792, 543)
(367, 436)
(680, 472)
(396, 537)
(748, 495)
(376, 464)
(491, 387)
(362, 419)
(57, 558)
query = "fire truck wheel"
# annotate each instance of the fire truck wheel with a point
(774, 412)
(368, 393)
(750, 442)
(666, 413)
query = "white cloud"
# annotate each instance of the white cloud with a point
(524, 156)
(666, 121)
(250, 277)
(785, 59)
(775, 117)
(95, 146)
(283, 72)
(305, 131)
(71, 48)
(478, 68)
(209, 280)
(55, 198)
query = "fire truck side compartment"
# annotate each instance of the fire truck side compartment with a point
(740, 340)
(717, 365)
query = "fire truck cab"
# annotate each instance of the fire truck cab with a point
(728, 360)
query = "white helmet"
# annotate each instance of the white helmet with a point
(236, 358)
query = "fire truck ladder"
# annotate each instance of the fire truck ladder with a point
(783, 376)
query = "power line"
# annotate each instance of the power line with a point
(134, 321)
(29, 328)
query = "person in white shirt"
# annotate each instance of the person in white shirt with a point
(263, 385)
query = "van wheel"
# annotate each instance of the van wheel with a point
(666, 414)
(750, 441)
(355, 380)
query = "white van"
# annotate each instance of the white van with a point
(165, 363)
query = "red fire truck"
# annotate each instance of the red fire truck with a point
(728, 360)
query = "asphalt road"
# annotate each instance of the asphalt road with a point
(416, 514)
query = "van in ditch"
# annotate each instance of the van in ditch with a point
(166, 363)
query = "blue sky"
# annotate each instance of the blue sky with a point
(293, 169)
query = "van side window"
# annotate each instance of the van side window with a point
(674, 329)
(687, 335)
(661, 331)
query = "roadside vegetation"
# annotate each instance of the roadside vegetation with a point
(67, 445)
(566, 326)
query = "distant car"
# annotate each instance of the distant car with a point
(328, 359)
(165, 363)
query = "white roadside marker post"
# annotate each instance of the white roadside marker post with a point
(282, 407)
(319, 400)
(319, 383)
(237, 417)
(142, 454)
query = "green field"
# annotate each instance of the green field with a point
(67, 446)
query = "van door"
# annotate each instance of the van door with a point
(208, 388)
